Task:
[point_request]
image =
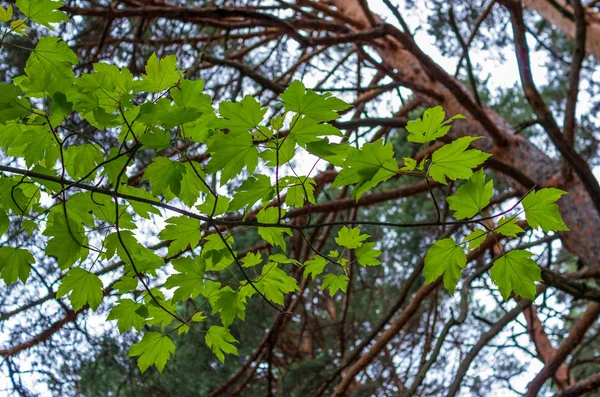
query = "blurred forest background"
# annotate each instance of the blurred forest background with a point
(526, 74)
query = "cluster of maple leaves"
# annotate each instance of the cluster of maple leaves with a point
(164, 112)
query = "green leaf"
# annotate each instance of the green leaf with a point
(160, 74)
(49, 68)
(308, 103)
(183, 231)
(335, 283)
(220, 340)
(254, 189)
(275, 283)
(350, 238)
(43, 12)
(230, 153)
(516, 272)
(229, 304)
(154, 349)
(11, 106)
(189, 94)
(19, 27)
(85, 288)
(165, 176)
(475, 238)
(209, 206)
(541, 210)
(335, 153)
(6, 14)
(272, 235)
(143, 258)
(191, 184)
(240, 117)
(454, 161)
(126, 314)
(251, 259)
(471, 197)
(314, 267)
(447, 258)
(431, 126)
(372, 164)
(305, 130)
(158, 316)
(80, 160)
(189, 280)
(367, 256)
(299, 190)
(68, 243)
(15, 264)
(38, 145)
(509, 227)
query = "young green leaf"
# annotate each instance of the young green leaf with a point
(447, 258)
(272, 235)
(296, 98)
(314, 267)
(275, 283)
(454, 161)
(472, 196)
(367, 256)
(372, 164)
(350, 238)
(541, 210)
(126, 314)
(44, 12)
(15, 264)
(160, 74)
(68, 243)
(254, 189)
(183, 231)
(85, 288)
(508, 227)
(229, 304)
(240, 117)
(230, 154)
(475, 238)
(431, 126)
(165, 176)
(6, 14)
(189, 280)
(220, 340)
(154, 349)
(334, 283)
(516, 272)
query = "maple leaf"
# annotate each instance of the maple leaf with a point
(84, 288)
(44, 12)
(126, 314)
(350, 238)
(472, 196)
(516, 272)
(335, 283)
(183, 231)
(297, 98)
(160, 74)
(15, 264)
(219, 340)
(541, 210)
(431, 126)
(453, 161)
(230, 154)
(372, 164)
(447, 258)
(189, 280)
(154, 349)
